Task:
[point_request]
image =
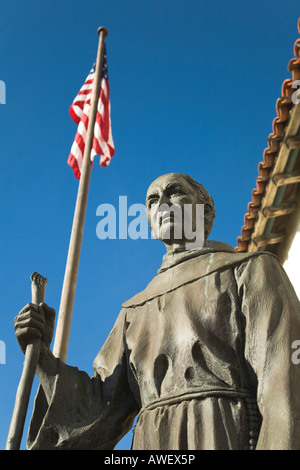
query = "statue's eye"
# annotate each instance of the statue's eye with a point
(152, 200)
(175, 192)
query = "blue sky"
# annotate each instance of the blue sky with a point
(193, 89)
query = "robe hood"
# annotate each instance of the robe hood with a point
(183, 267)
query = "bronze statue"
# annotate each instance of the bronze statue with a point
(202, 355)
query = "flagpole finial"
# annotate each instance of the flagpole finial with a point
(105, 31)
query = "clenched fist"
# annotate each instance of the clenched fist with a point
(35, 321)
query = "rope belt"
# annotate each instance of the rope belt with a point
(191, 394)
(254, 418)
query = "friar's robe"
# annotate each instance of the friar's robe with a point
(203, 355)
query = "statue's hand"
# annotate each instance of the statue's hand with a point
(35, 321)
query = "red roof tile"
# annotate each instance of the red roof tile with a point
(284, 105)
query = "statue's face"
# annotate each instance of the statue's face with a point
(170, 190)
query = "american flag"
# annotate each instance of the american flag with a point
(103, 144)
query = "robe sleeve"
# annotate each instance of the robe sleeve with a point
(87, 413)
(272, 318)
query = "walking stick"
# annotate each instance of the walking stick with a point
(32, 353)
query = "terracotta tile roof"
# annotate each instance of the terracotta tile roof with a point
(276, 140)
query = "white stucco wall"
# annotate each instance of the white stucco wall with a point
(292, 264)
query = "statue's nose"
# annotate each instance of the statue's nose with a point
(164, 199)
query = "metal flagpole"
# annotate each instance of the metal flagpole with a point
(69, 285)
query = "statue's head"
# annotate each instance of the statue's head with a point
(178, 193)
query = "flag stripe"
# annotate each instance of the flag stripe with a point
(103, 144)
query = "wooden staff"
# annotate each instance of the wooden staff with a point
(69, 285)
(32, 353)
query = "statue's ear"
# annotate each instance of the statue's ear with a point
(207, 209)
